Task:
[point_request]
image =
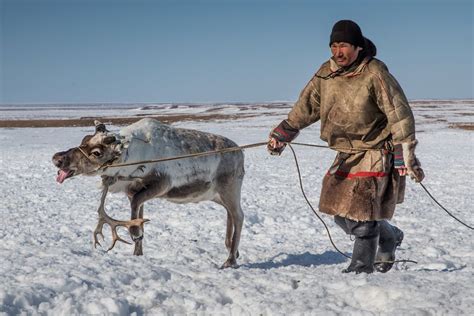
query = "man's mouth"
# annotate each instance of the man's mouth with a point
(63, 174)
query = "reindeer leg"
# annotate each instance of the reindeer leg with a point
(136, 204)
(238, 219)
(106, 219)
(139, 244)
(137, 232)
(229, 227)
(232, 204)
(229, 231)
(138, 251)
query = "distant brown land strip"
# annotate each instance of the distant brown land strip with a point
(89, 121)
(464, 126)
(441, 102)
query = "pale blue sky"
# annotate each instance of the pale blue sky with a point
(73, 51)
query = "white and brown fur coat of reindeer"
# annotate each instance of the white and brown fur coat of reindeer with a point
(216, 178)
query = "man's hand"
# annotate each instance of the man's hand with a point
(406, 162)
(402, 171)
(417, 174)
(275, 147)
(280, 136)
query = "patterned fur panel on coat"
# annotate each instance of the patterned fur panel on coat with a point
(362, 195)
(363, 198)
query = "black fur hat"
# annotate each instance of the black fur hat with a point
(347, 31)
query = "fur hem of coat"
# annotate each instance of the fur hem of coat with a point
(362, 198)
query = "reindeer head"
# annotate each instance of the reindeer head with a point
(93, 152)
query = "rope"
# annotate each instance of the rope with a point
(206, 153)
(444, 209)
(308, 145)
(310, 205)
(213, 152)
(237, 148)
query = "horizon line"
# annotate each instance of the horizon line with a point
(198, 102)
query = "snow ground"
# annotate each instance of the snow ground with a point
(287, 265)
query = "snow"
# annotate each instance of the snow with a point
(287, 265)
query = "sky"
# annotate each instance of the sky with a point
(121, 51)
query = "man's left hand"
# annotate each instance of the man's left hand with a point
(406, 162)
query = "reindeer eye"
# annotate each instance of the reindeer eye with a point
(96, 152)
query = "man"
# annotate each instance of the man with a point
(366, 117)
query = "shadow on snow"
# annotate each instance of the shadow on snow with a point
(305, 259)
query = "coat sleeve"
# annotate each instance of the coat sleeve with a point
(392, 101)
(306, 110)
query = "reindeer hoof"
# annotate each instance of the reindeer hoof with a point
(138, 249)
(230, 263)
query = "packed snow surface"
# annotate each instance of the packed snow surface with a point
(287, 265)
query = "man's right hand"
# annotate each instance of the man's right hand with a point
(275, 147)
(280, 136)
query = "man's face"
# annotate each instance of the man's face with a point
(344, 53)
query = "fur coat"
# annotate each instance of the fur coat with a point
(363, 113)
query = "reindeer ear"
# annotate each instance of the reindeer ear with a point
(100, 127)
(109, 140)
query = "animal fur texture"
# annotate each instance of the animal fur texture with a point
(216, 177)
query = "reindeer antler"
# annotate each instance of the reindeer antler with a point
(113, 223)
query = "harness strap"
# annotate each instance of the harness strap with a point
(84, 153)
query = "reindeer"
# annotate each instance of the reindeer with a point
(216, 178)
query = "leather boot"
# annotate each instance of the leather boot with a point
(390, 238)
(365, 244)
(363, 255)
